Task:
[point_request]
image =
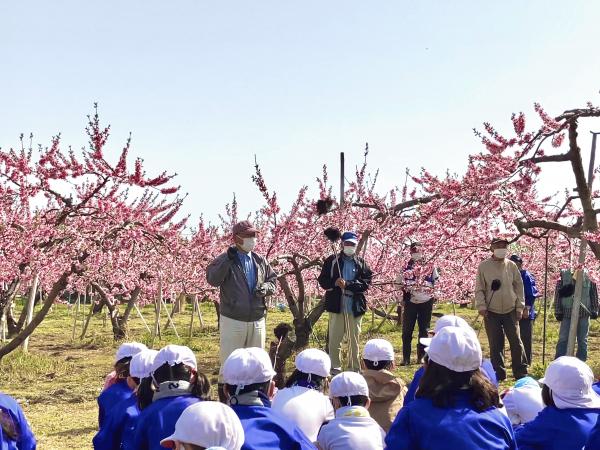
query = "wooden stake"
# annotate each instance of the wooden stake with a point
(30, 303)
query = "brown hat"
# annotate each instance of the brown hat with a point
(498, 240)
(243, 227)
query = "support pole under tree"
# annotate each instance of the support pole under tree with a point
(30, 303)
(581, 263)
(342, 179)
(545, 303)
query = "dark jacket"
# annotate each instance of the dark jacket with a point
(563, 297)
(358, 287)
(236, 300)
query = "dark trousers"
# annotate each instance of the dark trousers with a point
(526, 331)
(496, 327)
(419, 313)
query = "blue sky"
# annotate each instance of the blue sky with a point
(205, 86)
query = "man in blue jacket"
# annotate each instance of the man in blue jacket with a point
(248, 375)
(528, 318)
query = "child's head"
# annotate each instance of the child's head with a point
(312, 369)
(123, 357)
(175, 368)
(206, 424)
(568, 384)
(449, 320)
(378, 354)
(523, 401)
(349, 389)
(248, 370)
(140, 367)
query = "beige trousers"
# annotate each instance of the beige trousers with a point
(236, 334)
(337, 332)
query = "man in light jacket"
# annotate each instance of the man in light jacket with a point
(244, 280)
(499, 298)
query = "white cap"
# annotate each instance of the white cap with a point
(523, 401)
(128, 349)
(208, 424)
(247, 366)
(456, 348)
(347, 384)
(315, 361)
(570, 381)
(448, 320)
(141, 363)
(175, 354)
(378, 350)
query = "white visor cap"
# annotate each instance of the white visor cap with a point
(570, 381)
(128, 349)
(347, 384)
(246, 366)
(314, 361)
(141, 363)
(378, 350)
(173, 355)
(456, 348)
(208, 424)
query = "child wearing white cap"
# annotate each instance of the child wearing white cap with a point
(572, 408)
(248, 376)
(353, 427)
(386, 391)
(523, 401)
(206, 425)
(456, 405)
(176, 384)
(118, 388)
(302, 400)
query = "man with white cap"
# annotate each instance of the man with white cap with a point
(386, 391)
(353, 427)
(571, 412)
(205, 425)
(118, 389)
(249, 387)
(302, 400)
(121, 422)
(456, 406)
(345, 277)
(244, 279)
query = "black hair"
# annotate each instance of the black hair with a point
(145, 393)
(260, 387)
(355, 400)
(8, 426)
(297, 376)
(181, 372)
(381, 365)
(136, 380)
(547, 396)
(441, 385)
(122, 367)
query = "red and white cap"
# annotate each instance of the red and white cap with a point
(175, 354)
(315, 361)
(246, 366)
(141, 363)
(207, 424)
(448, 320)
(456, 348)
(128, 349)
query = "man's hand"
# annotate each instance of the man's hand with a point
(341, 283)
(260, 291)
(483, 312)
(525, 313)
(231, 252)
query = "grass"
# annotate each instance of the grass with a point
(58, 381)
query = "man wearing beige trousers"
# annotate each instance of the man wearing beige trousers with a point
(244, 280)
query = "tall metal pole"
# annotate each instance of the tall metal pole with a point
(545, 304)
(342, 179)
(581, 273)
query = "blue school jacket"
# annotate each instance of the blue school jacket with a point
(118, 426)
(596, 387)
(593, 442)
(266, 430)
(25, 439)
(157, 421)
(420, 425)
(557, 429)
(111, 396)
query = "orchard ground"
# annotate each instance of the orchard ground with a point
(58, 381)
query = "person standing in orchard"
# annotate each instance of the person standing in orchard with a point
(417, 299)
(499, 298)
(529, 314)
(345, 278)
(244, 280)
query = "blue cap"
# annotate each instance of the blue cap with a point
(516, 259)
(349, 236)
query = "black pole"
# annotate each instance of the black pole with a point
(342, 179)
(545, 303)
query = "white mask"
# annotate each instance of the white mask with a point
(248, 244)
(500, 253)
(417, 256)
(349, 251)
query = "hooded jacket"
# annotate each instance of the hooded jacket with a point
(13, 412)
(387, 396)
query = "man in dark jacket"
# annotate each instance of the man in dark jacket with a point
(528, 317)
(345, 278)
(244, 280)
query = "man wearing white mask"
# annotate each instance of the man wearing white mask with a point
(499, 298)
(244, 280)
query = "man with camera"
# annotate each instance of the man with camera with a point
(499, 298)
